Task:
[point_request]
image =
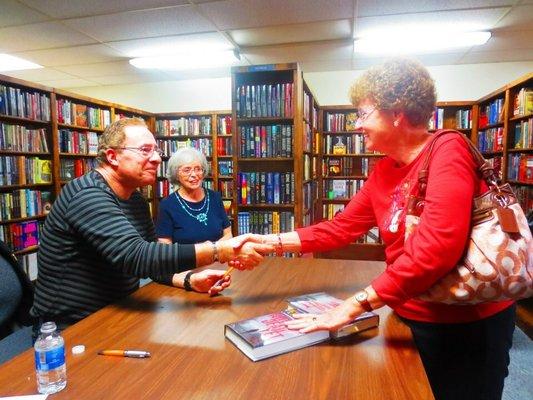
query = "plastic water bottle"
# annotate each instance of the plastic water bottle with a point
(50, 365)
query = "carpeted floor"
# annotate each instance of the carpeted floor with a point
(519, 383)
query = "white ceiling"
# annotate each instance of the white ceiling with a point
(85, 43)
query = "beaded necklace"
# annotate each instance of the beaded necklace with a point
(202, 216)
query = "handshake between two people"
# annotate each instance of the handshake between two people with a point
(244, 252)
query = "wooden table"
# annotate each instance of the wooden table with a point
(191, 359)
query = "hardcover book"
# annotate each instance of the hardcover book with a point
(351, 121)
(267, 336)
(317, 303)
(340, 146)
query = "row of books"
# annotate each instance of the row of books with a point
(342, 188)
(265, 187)
(22, 170)
(23, 203)
(21, 235)
(342, 144)
(308, 138)
(266, 141)
(492, 113)
(348, 166)
(523, 102)
(265, 222)
(204, 145)
(523, 135)
(19, 138)
(147, 191)
(310, 112)
(490, 140)
(520, 168)
(70, 169)
(184, 126)
(225, 167)
(463, 119)
(340, 122)
(24, 103)
(310, 190)
(309, 166)
(267, 335)
(226, 188)
(274, 100)
(224, 146)
(77, 142)
(224, 125)
(71, 113)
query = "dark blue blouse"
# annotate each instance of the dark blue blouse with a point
(175, 221)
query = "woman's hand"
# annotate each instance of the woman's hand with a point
(204, 281)
(330, 320)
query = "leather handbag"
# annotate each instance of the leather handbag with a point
(498, 260)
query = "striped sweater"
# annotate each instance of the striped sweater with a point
(94, 248)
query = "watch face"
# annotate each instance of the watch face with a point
(361, 296)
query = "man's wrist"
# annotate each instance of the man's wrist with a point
(187, 281)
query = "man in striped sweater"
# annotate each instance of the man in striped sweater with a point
(99, 238)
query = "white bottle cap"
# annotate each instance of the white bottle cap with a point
(78, 349)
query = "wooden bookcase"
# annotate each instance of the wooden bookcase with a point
(344, 167)
(206, 131)
(268, 121)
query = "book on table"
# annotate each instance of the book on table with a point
(267, 336)
(317, 303)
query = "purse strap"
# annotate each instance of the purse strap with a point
(484, 168)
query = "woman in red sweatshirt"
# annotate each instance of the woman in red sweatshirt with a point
(464, 348)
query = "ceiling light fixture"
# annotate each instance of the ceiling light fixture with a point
(405, 41)
(12, 63)
(190, 60)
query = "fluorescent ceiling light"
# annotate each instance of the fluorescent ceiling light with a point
(12, 63)
(204, 59)
(404, 41)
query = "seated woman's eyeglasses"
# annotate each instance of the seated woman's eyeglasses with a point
(186, 171)
(363, 115)
(145, 151)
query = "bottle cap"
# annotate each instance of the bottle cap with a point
(78, 349)
(48, 327)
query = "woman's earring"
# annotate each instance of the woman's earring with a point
(396, 123)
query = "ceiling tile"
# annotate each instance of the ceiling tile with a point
(239, 14)
(339, 50)
(42, 35)
(520, 17)
(84, 8)
(69, 83)
(41, 74)
(14, 13)
(143, 24)
(128, 79)
(168, 44)
(497, 56)
(100, 69)
(307, 32)
(479, 19)
(200, 73)
(504, 40)
(383, 7)
(72, 55)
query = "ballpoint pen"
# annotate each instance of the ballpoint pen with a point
(125, 353)
(221, 280)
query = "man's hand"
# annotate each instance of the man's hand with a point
(204, 281)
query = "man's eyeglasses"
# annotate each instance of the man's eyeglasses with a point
(145, 151)
(187, 171)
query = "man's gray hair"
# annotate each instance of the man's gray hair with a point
(183, 156)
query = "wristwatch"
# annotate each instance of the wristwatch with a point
(187, 281)
(362, 298)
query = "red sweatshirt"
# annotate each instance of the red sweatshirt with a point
(433, 249)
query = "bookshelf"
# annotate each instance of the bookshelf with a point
(344, 167)
(268, 123)
(26, 160)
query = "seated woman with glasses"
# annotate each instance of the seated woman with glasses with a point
(191, 214)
